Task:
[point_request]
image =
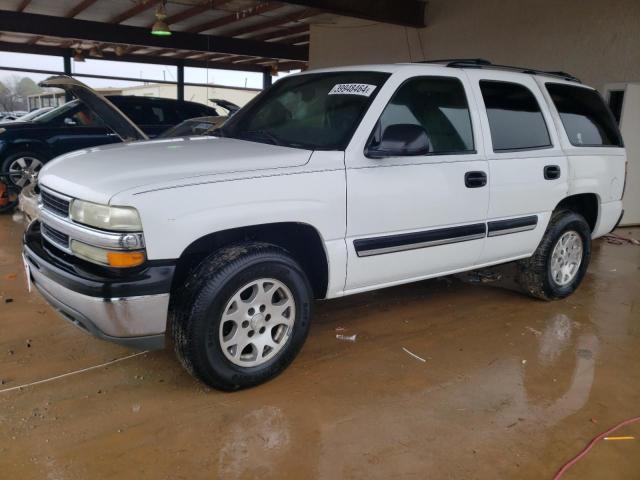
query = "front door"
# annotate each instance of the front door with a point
(411, 217)
(80, 128)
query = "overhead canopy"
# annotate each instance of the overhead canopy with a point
(236, 34)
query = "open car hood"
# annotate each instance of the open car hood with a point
(226, 104)
(103, 108)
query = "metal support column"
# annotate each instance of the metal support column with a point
(66, 59)
(180, 81)
(266, 78)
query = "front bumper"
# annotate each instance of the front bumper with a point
(129, 310)
(28, 204)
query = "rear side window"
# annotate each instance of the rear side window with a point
(437, 104)
(165, 113)
(515, 118)
(148, 113)
(586, 119)
(188, 110)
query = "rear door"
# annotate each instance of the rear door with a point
(410, 217)
(528, 174)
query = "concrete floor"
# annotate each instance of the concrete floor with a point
(511, 388)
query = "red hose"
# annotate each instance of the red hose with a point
(591, 444)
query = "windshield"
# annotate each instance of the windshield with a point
(34, 114)
(56, 112)
(318, 111)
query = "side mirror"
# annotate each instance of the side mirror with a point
(69, 121)
(404, 139)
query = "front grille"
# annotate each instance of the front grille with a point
(54, 203)
(55, 236)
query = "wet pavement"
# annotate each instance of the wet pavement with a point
(511, 387)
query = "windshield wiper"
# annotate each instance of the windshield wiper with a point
(264, 134)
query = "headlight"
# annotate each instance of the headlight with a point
(109, 258)
(119, 219)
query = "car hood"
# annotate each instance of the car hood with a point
(97, 174)
(103, 108)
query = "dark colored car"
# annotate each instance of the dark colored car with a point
(75, 125)
(197, 127)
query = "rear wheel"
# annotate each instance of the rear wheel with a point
(560, 262)
(242, 316)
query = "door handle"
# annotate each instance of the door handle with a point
(475, 179)
(552, 172)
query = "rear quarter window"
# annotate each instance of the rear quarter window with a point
(585, 117)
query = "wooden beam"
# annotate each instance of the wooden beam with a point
(66, 28)
(79, 8)
(190, 12)
(24, 4)
(283, 32)
(408, 13)
(161, 52)
(276, 22)
(70, 14)
(193, 11)
(57, 51)
(205, 56)
(287, 66)
(227, 58)
(133, 11)
(235, 17)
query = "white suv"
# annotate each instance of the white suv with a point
(331, 182)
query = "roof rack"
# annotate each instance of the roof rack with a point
(482, 63)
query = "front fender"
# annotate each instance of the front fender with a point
(173, 218)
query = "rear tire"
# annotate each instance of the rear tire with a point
(561, 260)
(242, 316)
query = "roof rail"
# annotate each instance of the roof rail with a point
(482, 63)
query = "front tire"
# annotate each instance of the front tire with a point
(242, 316)
(21, 167)
(561, 260)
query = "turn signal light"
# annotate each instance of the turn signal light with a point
(125, 259)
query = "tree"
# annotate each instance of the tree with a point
(14, 91)
(26, 87)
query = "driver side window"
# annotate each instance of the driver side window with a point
(83, 117)
(436, 104)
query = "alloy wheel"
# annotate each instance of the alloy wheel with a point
(566, 258)
(257, 322)
(23, 169)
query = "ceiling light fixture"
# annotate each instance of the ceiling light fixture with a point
(161, 28)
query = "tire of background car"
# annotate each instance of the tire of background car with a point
(237, 290)
(9, 196)
(561, 260)
(31, 159)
